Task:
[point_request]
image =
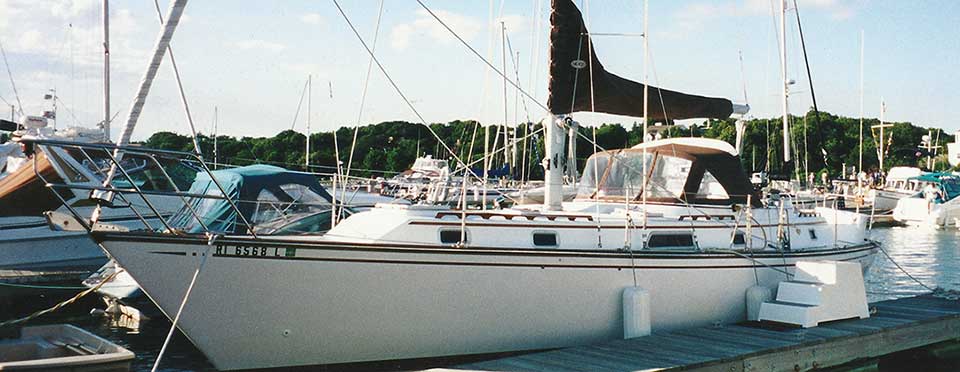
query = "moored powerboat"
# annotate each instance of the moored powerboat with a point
(936, 205)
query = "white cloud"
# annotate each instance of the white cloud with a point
(70, 32)
(424, 25)
(311, 18)
(262, 45)
(836, 9)
(695, 17)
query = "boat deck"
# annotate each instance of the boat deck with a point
(893, 326)
(40, 276)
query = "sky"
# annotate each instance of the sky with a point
(250, 60)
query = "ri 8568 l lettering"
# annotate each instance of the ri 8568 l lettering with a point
(254, 251)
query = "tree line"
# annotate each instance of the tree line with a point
(822, 142)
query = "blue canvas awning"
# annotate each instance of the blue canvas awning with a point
(949, 183)
(262, 193)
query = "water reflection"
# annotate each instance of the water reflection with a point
(930, 256)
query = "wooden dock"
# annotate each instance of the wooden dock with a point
(893, 326)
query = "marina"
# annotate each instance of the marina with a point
(546, 234)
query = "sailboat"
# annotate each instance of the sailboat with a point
(675, 217)
(28, 242)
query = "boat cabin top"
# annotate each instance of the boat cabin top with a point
(691, 170)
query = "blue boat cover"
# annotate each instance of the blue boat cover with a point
(253, 189)
(949, 182)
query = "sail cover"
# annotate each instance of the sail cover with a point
(570, 77)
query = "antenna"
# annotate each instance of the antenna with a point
(106, 71)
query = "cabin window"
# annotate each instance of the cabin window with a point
(710, 188)
(813, 234)
(545, 239)
(593, 172)
(668, 176)
(267, 207)
(625, 176)
(738, 239)
(452, 236)
(671, 241)
(72, 174)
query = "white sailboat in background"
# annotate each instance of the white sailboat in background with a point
(677, 218)
(28, 242)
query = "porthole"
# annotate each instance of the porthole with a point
(671, 241)
(452, 236)
(545, 239)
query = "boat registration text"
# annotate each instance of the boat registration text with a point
(254, 251)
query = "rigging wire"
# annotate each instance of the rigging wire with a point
(183, 96)
(394, 84)
(296, 114)
(482, 59)
(516, 73)
(13, 84)
(596, 175)
(363, 94)
(813, 95)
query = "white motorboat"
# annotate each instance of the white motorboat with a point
(27, 241)
(677, 218)
(936, 205)
(900, 183)
(953, 150)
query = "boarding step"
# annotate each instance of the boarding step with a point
(821, 291)
(789, 313)
(800, 293)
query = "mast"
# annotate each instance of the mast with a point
(215, 137)
(860, 163)
(646, 102)
(646, 86)
(783, 75)
(506, 107)
(553, 139)
(882, 147)
(306, 157)
(174, 11)
(106, 71)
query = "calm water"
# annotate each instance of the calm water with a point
(931, 256)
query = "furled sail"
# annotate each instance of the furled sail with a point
(570, 79)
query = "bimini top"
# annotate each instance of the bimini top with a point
(692, 170)
(948, 182)
(272, 199)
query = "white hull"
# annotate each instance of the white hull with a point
(38, 247)
(28, 243)
(272, 303)
(886, 200)
(920, 212)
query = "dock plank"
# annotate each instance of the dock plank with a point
(897, 325)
